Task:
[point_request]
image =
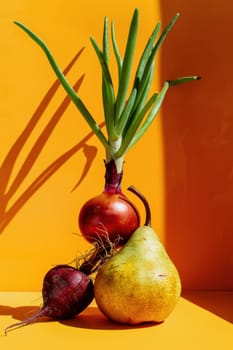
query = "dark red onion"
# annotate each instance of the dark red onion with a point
(66, 292)
(108, 216)
(110, 213)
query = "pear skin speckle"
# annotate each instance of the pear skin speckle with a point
(139, 283)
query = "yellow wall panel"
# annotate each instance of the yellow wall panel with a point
(43, 151)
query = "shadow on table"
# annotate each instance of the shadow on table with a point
(91, 318)
(219, 303)
(19, 314)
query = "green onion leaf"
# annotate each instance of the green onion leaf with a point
(150, 60)
(126, 112)
(143, 92)
(127, 66)
(182, 80)
(107, 98)
(105, 41)
(108, 92)
(116, 51)
(165, 32)
(145, 55)
(100, 55)
(150, 118)
(130, 132)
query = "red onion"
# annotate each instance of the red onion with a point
(110, 213)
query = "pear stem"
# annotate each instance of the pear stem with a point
(145, 203)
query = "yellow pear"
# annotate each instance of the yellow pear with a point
(139, 283)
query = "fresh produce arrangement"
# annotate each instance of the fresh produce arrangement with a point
(127, 114)
(135, 280)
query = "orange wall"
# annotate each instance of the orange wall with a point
(198, 143)
(185, 158)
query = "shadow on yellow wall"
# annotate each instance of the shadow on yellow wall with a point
(8, 213)
(198, 143)
(42, 233)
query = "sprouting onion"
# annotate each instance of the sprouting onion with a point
(128, 112)
(123, 111)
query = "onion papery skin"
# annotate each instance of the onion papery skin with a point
(108, 215)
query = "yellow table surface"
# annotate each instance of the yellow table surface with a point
(201, 320)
